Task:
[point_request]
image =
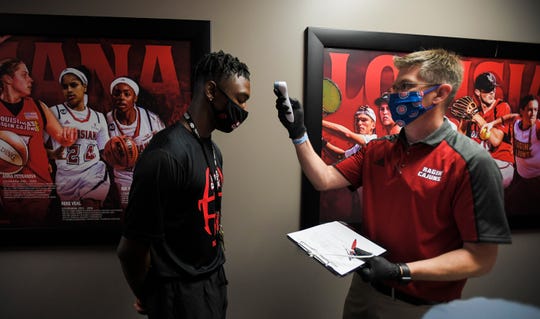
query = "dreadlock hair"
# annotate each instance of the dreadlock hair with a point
(217, 66)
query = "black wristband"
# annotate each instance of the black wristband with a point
(405, 273)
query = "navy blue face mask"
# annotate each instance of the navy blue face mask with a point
(407, 106)
(231, 117)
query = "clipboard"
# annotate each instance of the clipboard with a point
(332, 243)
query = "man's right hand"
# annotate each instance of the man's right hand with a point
(297, 128)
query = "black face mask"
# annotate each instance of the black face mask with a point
(231, 117)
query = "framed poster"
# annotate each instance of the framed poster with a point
(348, 70)
(158, 55)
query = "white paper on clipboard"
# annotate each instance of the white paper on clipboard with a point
(330, 244)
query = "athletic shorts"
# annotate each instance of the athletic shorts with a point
(200, 298)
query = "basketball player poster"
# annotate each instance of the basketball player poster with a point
(356, 68)
(48, 186)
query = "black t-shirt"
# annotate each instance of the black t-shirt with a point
(172, 204)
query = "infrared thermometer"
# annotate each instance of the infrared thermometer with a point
(281, 86)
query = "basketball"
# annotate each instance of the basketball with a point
(13, 152)
(121, 152)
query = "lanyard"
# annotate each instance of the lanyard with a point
(214, 178)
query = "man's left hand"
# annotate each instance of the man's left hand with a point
(379, 269)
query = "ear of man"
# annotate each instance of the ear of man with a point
(443, 93)
(210, 88)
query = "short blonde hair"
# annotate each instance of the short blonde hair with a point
(435, 66)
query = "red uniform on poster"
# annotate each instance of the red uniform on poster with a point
(26, 190)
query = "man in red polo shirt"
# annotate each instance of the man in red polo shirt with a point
(446, 217)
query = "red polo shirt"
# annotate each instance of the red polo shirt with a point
(426, 199)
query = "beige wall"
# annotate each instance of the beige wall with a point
(269, 277)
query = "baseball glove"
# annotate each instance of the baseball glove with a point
(464, 108)
(121, 152)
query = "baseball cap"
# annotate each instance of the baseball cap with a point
(364, 109)
(485, 82)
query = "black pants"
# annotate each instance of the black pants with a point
(200, 298)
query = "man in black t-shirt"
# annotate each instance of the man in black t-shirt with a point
(171, 248)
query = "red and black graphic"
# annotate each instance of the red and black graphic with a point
(210, 204)
(362, 76)
(161, 65)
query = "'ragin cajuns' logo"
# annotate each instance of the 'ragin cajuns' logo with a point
(209, 196)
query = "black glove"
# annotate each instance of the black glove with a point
(297, 128)
(380, 269)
